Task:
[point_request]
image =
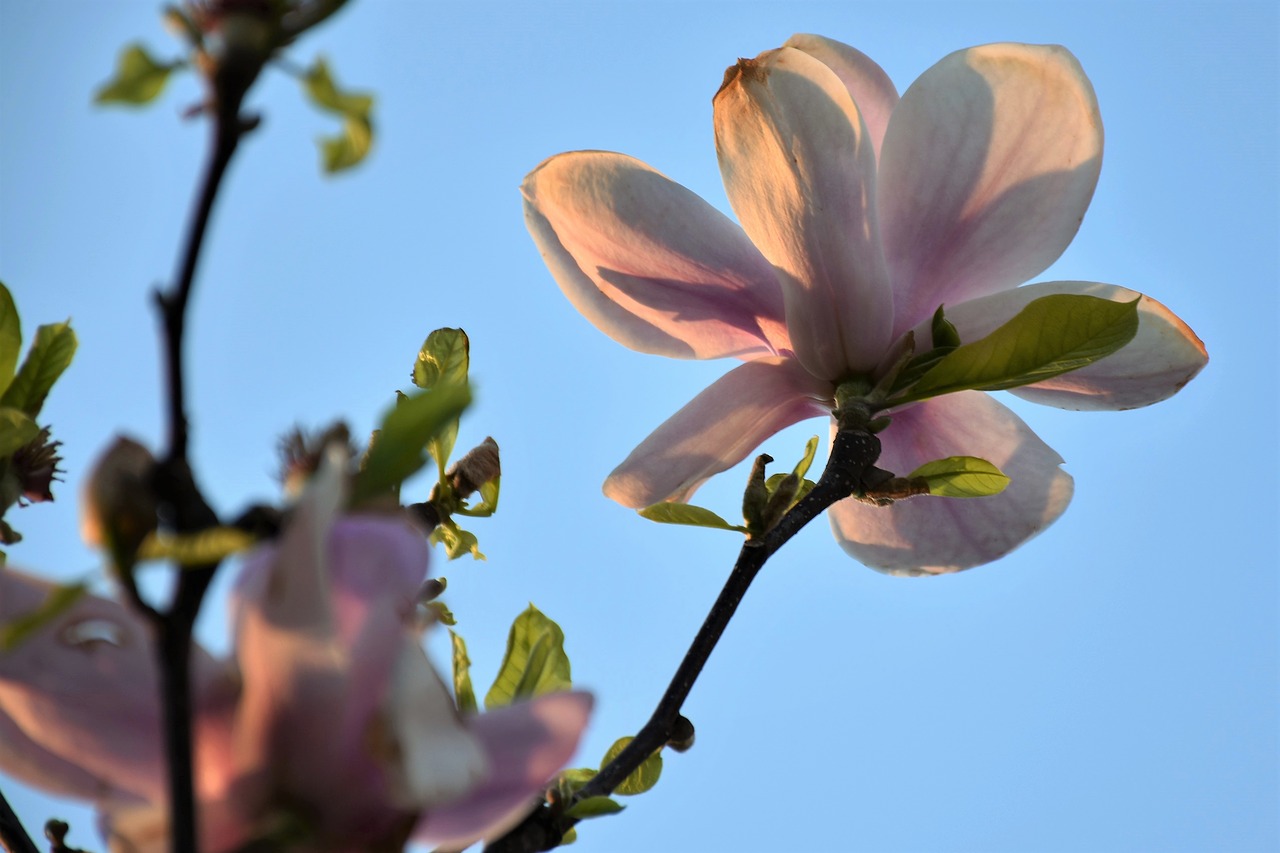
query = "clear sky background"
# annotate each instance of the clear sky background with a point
(1112, 686)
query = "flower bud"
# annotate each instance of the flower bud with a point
(480, 465)
(118, 506)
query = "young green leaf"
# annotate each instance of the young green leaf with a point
(139, 78)
(594, 807)
(463, 692)
(456, 541)
(1050, 336)
(352, 145)
(810, 449)
(50, 354)
(196, 549)
(60, 598)
(535, 662)
(961, 477)
(16, 430)
(444, 360)
(696, 516)
(445, 357)
(399, 450)
(643, 777)
(10, 337)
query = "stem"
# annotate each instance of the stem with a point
(853, 454)
(175, 485)
(13, 837)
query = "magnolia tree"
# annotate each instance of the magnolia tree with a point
(874, 277)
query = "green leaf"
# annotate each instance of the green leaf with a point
(196, 549)
(60, 599)
(773, 482)
(346, 149)
(352, 145)
(1052, 335)
(961, 477)
(16, 430)
(50, 354)
(570, 836)
(139, 78)
(320, 87)
(445, 357)
(594, 807)
(535, 662)
(10, 337)
(443, 360)
(574, 778)
(810, 449)
(462, 689)
(696, 516)
(643, 777)
(456, 541)
(400, 448)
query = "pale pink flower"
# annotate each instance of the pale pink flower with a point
(861, 212)
(328, 719)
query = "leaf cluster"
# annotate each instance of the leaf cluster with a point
(28, 458)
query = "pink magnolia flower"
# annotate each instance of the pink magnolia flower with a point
(328, 720)
(861, 212)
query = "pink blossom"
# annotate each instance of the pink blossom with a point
(861, 212)
(327, 720)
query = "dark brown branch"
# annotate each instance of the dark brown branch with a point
(13, 837)
(850, 465)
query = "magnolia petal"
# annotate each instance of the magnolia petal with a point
(717, 430)
(527, 744)
(871, 88)
(1164, 355)
(989, 164)
(799, 167)
(928, 535)
(648, 262)
(82, 689)
(434, 757)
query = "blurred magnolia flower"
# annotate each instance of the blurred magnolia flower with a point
(328, 728)
(861, 213)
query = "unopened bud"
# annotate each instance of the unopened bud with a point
(480, 465)
(681, 739)
(780, 501)
(756, 496)
(118, 507)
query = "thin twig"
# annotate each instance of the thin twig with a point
(853, 454)
(175, 485)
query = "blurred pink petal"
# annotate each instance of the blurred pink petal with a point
(648, 262)
(989, 164)
(799, 166)
(717, 430)
(933, 536)
(526, 745)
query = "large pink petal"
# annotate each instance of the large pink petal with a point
(799, 167)
(1164, 356)
(648, 262)
(871, 88)
(928, 535)
(527, 744)
(82, 689)
(717, 430)
(988, 166)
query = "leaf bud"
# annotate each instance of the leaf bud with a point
(682, 734)
(118, 506)
(480, 465)
(756, 496)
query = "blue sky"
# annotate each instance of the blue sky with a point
(1112, 686)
